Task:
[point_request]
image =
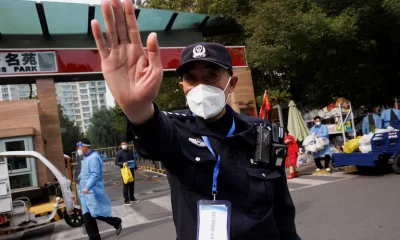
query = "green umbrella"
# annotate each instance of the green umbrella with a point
(296, 124)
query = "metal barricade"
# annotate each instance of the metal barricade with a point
(108, 157)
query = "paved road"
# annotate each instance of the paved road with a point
(147, 185)
(361, 208)
(330, 207)
(352, 207)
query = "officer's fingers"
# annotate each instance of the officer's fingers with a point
(131, 24)
(110, 23)
(120, 23)
(99, 38)
(153, 50)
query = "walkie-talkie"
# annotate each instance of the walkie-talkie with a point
(270, 149)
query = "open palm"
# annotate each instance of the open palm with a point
(133, 76)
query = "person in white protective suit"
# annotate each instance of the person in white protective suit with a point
(94, 200)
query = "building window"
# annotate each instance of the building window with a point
(93, 84)
(84, 97)
(74, 87)
(86, 109)
(83, 91)
(85, 103)
(86, 115)
(82, 85)
(93, 90)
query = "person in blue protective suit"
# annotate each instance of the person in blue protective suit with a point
(370, 122)
(320, 130)
(94, 200)
(389, 117)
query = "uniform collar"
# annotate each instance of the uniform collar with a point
(244, 129)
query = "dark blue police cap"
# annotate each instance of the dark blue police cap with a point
(206, 52)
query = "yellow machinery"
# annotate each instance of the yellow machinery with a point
(18, 214)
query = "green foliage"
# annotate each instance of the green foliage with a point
(313, 49)
(119, 119)
(102, 133)
(170, 96)
(71, 135)
(275, 96)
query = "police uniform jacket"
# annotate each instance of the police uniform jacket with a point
(262, 207)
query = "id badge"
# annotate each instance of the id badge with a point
(213, 220)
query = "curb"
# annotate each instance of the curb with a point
(151, 169)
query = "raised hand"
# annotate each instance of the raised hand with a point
(133, 76)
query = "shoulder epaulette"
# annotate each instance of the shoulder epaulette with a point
(176, 115)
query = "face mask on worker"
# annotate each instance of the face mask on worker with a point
(80, 152)
(318, 123)
(124, 147)
(207, 101)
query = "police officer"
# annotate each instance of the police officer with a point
(207, 152)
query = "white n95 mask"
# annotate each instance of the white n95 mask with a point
(206, 101)
(80, 152)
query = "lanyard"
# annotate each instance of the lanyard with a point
(216, 168)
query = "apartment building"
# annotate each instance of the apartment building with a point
(80, 100)
(16, 92)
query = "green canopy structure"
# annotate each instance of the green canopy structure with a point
(296, 125)
(47, 24)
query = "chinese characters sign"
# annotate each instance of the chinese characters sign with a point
(27, 62)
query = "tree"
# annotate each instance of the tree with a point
(314, 49)
(71, 134)
(118, 119)
(170, 96)
(101, 132)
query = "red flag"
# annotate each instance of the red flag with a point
(266, 105)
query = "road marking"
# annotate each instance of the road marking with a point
(314, 182)
(307, 181)
(129, 216)
(119, 177)
(113, 230)
(162, 174)
(164, 202)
